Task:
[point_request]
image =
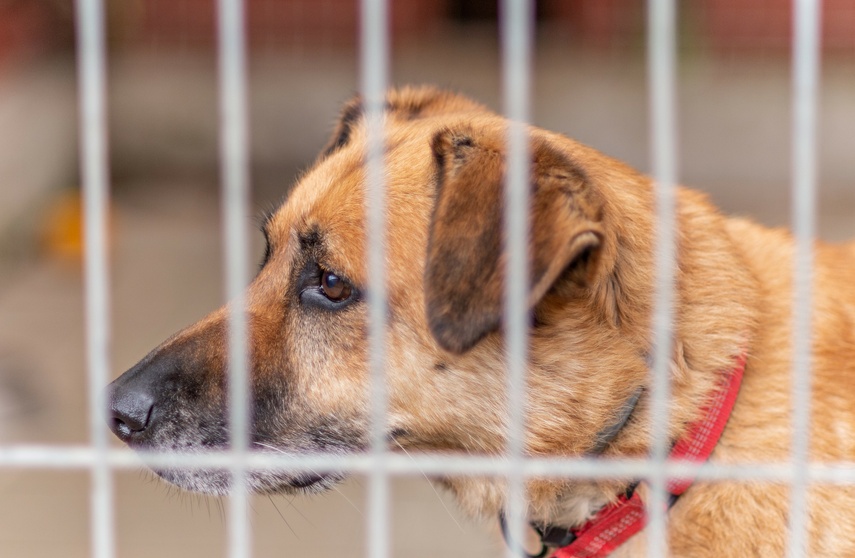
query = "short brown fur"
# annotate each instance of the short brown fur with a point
(592, 241)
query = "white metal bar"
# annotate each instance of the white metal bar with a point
(91, 64)
(517, 22)
(234, 167)
(806, 41)
(374, 53)
(661, 66)
(84, 457)
(517, 31)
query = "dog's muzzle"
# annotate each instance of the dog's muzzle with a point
(168, 401)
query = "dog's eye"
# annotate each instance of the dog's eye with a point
(334, 287)
(325, 289)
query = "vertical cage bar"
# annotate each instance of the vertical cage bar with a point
(91, 65)
(234, 170)
(517, 24)
(374, 52)
(806, 42)
(661, 53)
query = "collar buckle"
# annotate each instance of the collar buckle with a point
(544, 550)
(554, 536)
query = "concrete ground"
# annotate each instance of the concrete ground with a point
(166, 251)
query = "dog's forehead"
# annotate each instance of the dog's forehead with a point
(330, 197)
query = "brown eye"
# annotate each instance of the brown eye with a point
(334, 287)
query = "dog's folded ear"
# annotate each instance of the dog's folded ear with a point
(351, 112)
(465, 268)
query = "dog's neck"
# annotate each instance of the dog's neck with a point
(614, 523)
(580, 505)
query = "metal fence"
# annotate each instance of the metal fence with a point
(517, 26)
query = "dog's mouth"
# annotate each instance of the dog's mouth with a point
(218, 482)
(306, 482)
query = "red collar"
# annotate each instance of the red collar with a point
(617, 522)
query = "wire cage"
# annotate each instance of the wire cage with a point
(517, 25)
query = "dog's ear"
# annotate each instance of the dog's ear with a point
(465, 268)
(351, 112)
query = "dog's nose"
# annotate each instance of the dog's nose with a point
(130, 413)
(135, 398)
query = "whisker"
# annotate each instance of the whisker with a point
(333, 487)
(346, 499)
(438, 497)
(222, 510)
(290, 502)
(293, 532)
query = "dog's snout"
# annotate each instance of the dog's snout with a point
(130, 412)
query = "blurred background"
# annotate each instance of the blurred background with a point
(166, 254)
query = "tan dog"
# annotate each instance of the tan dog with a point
(592, 277)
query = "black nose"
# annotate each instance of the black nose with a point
(130, 412)
(137, 397)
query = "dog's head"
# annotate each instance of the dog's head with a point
(590, 278)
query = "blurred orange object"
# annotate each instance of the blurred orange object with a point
(62, 234)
